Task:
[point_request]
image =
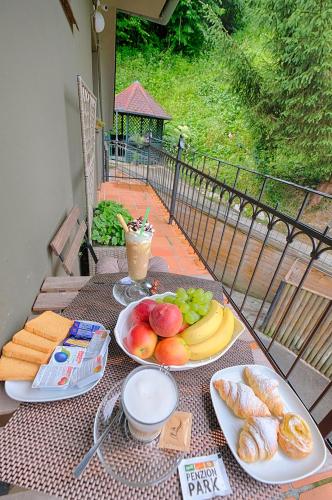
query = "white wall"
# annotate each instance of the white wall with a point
(41, 165)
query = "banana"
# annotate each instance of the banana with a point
(217, 342)
(205, 327)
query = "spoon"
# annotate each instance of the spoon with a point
(80, 468)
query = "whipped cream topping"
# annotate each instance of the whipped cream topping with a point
(136, 224)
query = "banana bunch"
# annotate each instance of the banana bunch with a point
(205, 327)
(210, 334)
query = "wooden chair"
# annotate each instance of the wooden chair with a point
(57, 292)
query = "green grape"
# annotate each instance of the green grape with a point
(180, 292)
(195, 306)
(190, 291)
(208, 296)
(191, 317)
(198, 294)
(205, 299)
(169, 299)
(184, 308)
(159, 301)
(203, 309)
(179, 302)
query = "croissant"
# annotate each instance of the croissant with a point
(266, 389)
(258, 439)
(294, 436)
(241, 399)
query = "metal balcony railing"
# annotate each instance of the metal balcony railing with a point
(275, 265)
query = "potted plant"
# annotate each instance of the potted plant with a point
(107, 234)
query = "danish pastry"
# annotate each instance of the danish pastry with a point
(294, 436)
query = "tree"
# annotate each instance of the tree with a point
(187, 29)
(289, 97)
(302, 44)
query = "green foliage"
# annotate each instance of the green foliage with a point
(197, 96)
(106, 229)
(132, 31)
(248, 82)
(233, 15)
(186, 31)
(302, 44)
(281, 70)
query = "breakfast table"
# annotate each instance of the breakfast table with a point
(42, 443)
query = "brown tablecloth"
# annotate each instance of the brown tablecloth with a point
(42, 443)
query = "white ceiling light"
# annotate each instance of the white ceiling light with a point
(99, 22)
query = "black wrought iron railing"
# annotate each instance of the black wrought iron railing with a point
(275, 265)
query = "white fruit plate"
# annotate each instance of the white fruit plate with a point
(123, 326)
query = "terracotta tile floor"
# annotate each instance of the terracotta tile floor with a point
(168, 241)
(171, 244)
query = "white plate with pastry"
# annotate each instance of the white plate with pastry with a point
(268, 428)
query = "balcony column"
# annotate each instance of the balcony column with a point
(107, 66)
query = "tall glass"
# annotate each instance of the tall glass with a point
(138, 248)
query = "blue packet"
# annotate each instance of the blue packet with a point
(82, 330)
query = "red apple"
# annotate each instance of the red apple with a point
(183, 327)
(172, 351)
(141, 340)
(142, 311)
(166, 319)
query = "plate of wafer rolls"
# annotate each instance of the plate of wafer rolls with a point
(268, 429)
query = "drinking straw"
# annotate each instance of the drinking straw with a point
(147, 211)
(123, 223)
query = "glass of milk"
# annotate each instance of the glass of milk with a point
(149, 397)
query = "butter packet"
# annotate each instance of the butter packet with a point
(83, 330)
(72, 342)
(176, 433)
(202, 478)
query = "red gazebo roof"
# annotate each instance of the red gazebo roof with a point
(135, 100)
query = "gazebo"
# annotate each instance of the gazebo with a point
(137, 115)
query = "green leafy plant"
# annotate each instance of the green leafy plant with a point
(106, 229)
(186, 31)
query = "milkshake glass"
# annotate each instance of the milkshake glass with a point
(138, 247)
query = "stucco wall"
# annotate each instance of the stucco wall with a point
(40, 145)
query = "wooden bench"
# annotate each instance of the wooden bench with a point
(57, 292)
